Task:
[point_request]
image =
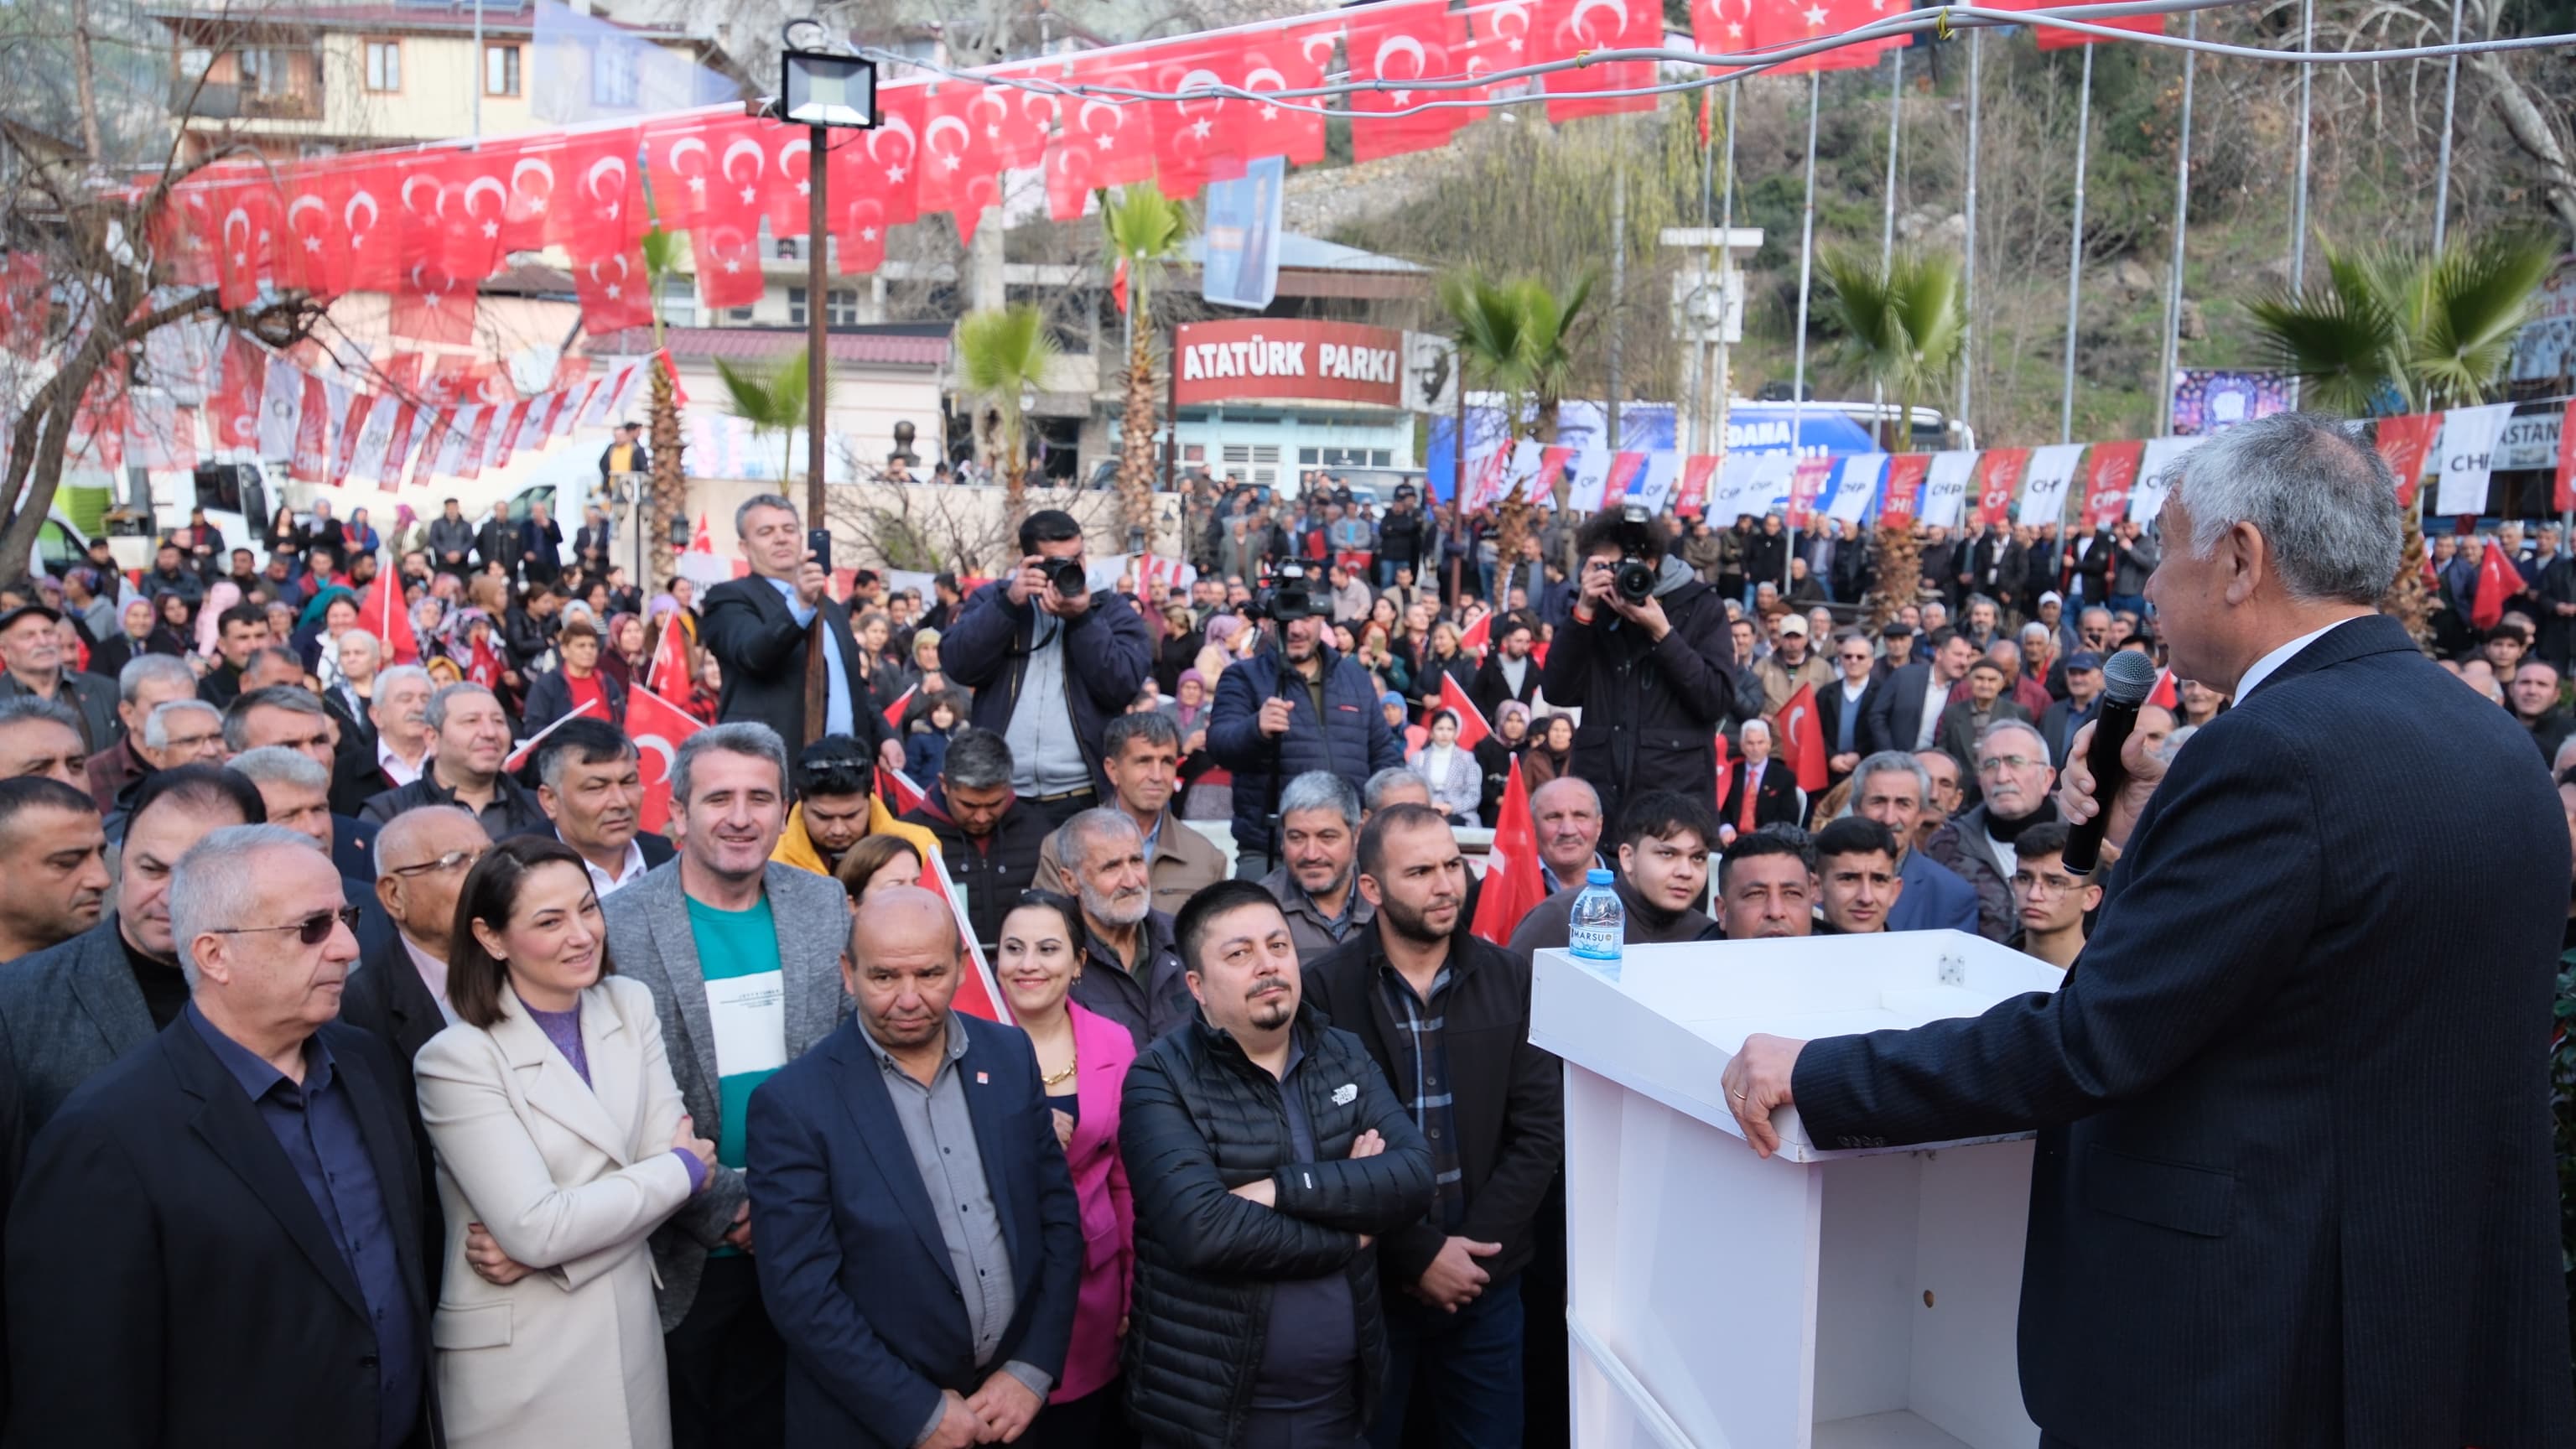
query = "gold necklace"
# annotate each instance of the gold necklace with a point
(1057, 1079)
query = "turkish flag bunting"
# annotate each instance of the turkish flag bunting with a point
(1389, 44)
(529, 222)
(26, 304)
(1515, 879)
(727, 253)
(2052, 37)
(1472, 725)
(235, 405)
(597, 208)
(1293, 59)
(2407, 443)
(473, 200)
(657, 727)
(2498, 580)
(1802, 739)
(1196, 139)
(1721, 27)
(1100, 142)
(957, 175)
(247, 209)
(345, 456)
(612, 292)
(1788, 22)
(680, 157)
(434, 306)
(1999, 473)
(1012, 124)
(1901, 491)
(2110, 471)
(1575, 26)
(789, 197)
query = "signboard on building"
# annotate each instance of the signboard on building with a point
(1273, 359)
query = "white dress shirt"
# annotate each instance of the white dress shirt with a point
(433, 974)
(1936, 698)
(2263, 668)
(396, 768)
(629, 870)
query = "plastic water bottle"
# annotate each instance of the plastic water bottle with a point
(1599, 924)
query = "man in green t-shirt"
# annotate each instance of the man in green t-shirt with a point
(743, 957)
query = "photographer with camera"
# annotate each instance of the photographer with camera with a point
(1649, 661)
(1051, 663)
(1291, 708)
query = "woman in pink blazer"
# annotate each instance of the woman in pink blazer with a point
(1083, 1060)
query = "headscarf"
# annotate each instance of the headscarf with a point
(616, 623)
(221, 595)
(320, 604)
(403, 515)
(1221, 629)
(1510, 708)
(1188, 713)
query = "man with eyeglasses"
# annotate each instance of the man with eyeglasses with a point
(1840, 705)
(68, 1011)
(2049, 901)
(399, 991)
(2014, 773)
(223, 1235)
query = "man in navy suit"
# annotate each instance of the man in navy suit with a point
(920, 1244)
(2294, 1183)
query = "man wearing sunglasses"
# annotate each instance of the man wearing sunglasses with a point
(69, 1010)
(255, 1154)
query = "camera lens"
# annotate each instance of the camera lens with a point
(1067, 575)
(1635, 580)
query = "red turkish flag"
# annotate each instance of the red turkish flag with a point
(1472, 725)
(381, 613)
(2565, 498)
(2498, 580)
(26, 304)
(978, 994)
(874, 181)
(234, 409)
(1902, 492)
(1802, 739)
(1404, 41)
(898, 790)
(2407, 443)
(2052, 37)
(1788, 22)
(1574, 26)
(1289, 59)
(2110, 471)
(597, 207)
(453, 205)
(1196, 139)
(789, 197)
(656, 726)
(727, 254)
(680, 157)
(668, 673)
(1101, 141)
(246, 218)
(528, 222)
(1010, 124)
(345, 456)
(1515, 879)
(1721, 27)
(1999, 473)
(612, 292)
(894, 712)
(2164, 695)
(311, 460)
(958, 174)
(184, 232)
(312, 245)
(433, 305)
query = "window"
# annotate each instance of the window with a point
(841, 308)
(785, 247)
(738, 314)
(796, 306)
(263, 72)
(612, 74)
(679, 302)
(384, 65)
(500, 70)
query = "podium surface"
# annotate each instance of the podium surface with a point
(1822, 1299)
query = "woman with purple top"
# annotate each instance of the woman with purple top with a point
(561, 1146)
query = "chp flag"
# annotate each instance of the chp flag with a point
(657, 727)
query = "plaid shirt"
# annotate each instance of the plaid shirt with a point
(1422, 1082)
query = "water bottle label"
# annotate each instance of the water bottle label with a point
(1594, 942)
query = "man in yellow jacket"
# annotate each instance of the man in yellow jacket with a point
(836, 808)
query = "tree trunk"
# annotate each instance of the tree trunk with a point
(1900, 574)
(1136, 431)
(2409, 600)
(1015, 476)
(670, 486)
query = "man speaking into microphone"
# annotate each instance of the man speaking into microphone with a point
(2293, 1184)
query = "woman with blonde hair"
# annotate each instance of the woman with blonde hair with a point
(561, 1146)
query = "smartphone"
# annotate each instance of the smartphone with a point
(818, 542)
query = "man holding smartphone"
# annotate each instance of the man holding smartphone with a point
(759, 630)
(1051, 663)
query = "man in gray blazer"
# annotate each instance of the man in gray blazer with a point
(743, 958)
(70, 1009)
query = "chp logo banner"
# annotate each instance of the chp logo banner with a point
(1286, 359)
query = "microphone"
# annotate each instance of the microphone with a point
(2127, 677)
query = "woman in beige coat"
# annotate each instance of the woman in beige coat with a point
(560, 1137)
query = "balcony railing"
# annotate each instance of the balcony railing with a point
(226, 101)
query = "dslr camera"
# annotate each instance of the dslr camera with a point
(1067, 576)
(1286, 596)
(1635, 574)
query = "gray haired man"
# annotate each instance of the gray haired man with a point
(1132, 972)
(473, 742)
(743, 957)
(1319, 836)
(147, 682)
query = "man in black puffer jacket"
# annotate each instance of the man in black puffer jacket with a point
(1324, 717)
(1265, 1152)
(1656, 681)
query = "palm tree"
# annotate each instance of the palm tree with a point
(1002, 354)
(772, 402)
(1516, 338)
(2406, 330)
(670, 487)
(1552, 327)
(1905, 328)
(1143, 229)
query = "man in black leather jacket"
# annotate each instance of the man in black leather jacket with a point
(1266, 1154)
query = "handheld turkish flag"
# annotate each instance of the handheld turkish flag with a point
(1515, 880)
(896, 786)
(2165, 695)
(894, 711)
(1802, 739)
(1479, 636)
(1472, 725)
(656, 726)
(381, 608)
(704, 540)
(668, 674)
(2498, 580)
(978, 994)
(528, 746)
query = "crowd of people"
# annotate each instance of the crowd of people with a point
(362, 1084)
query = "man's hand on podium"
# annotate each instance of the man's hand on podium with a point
(1756, 1081)
(1455, 1278)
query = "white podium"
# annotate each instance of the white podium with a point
(1816, 1300)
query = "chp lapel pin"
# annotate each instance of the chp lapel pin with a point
(983, 1079)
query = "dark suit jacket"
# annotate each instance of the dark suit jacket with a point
(65, 1013)
(2225, 1248)
(1829, 715)
(1776, 803)
(1892, 717)
(853, 1267)
(386, 998)
(353, 852)
(746, 625)
(170, 1282)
